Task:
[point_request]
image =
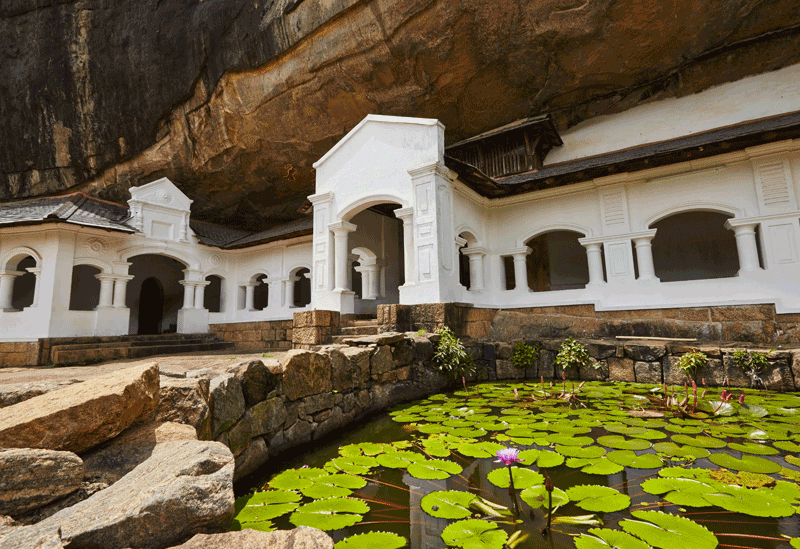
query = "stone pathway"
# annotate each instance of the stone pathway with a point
(219, 361)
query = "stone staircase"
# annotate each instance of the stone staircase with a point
(88, 350)
(357, 326)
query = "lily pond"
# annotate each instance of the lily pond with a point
(625, 466)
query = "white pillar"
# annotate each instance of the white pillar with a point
(407, 215)
(7, 289)
(595, 256)
(350, 259)
(199, 294)
(289, 298)
(188, 294)
(341, 254)
(373, 272)
(521, 269)
(120, 290)
(106, 290)
(644, 257)
(745, 245)
(37, 271)
(249, 297)
(475, 256)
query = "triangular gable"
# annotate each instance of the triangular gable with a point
(161, 211)
(161, 193)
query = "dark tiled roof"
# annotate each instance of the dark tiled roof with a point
(216, 235)
(294, 228)
(77, 209)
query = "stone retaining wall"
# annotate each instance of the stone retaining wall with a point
(266, 335)
(19, 353)
(750, 323)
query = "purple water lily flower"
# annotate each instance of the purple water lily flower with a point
(508, 456)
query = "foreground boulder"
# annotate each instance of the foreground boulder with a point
(30, 478)
(81, 416)
(120, 456)
(184, 488)
(299, 538)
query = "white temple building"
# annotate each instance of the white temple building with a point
(683, 202)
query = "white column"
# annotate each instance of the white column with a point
(199, 294)
(37, 271)
(106, 290)
(289, 297)
(188, 294)
(407, 215)
(373, 285)
(595, 256)
(521, 269)
(350, 259)
(475, 256)
(341, 230)
(644, 257)
(745, 245)
(120, 290)
(249, 297)
(7, 289)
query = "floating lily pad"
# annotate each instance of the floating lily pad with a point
(479, 449)
(604, 538)
(598, 499)
(629, 459)
(330, 514)
(750, 464)
(595, 466)
(370, 540)
(787, 446)
(255, 511)
(399, 459)
(621, 443)
(581, 451)
(474, 534)
(523, 478)
(537, 496)
(448, 504)
(700, 441)
(356, 465)
(333, 486)
(669, 531)
(686, 452)
(753, 448)
(433, 469)
(296, 479)
(568, 440)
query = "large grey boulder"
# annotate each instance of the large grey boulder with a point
(299, 538)
(185, 400)
(183, 489)
(112, 461)
(81, 416)
(31, 538)
(30, 478)
(13, 393)
(227, 403)
(305, 373)
(256, 379)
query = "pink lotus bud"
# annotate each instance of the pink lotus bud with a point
(581, 385)
(724, 395)
(516, 394)
(704, 381)
(704, 393)
(741, 398)
(548, 484)
(563, 376)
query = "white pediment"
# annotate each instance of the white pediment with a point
(161, 193)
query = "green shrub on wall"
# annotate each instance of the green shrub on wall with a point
(572, 355)
(691, 362)
(524, 355)
(451, 357)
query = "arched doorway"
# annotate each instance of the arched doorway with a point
(168, 274)
(557, 262)
(151, 307)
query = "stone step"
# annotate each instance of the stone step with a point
(127, 338)
(102, 354)
(359, 330)
(135, 343)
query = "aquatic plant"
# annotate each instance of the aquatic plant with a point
(753, 363)
(691, 362)
(451, 357)
(524, 355)
(572, 354)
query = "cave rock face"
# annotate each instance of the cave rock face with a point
(235, 99)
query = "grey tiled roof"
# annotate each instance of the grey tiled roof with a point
(77, 209)
(216, 235)
(287, 230)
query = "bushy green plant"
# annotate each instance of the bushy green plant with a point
(690, 362)
(752, 361)
(524, 355)
(572, 355)
(451, 357)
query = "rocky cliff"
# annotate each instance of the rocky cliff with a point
(235, 99)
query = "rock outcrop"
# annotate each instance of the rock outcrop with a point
(30, 478)
(299, 538)
(182, 489)
(235, 99)
(79, 417)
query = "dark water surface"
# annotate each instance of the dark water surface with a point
(394, 495)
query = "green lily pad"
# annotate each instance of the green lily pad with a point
(598, 499)
(432, 428)
(399, 459)
(479, 449)
(568, 440)
(738, 499)
(753, 448)
(537, 496)
(474, 534)
(669, 531)
(621, 443)
(523, 478)
(595, 466)
(333, 486)
(254, 511)
(548, 459)
(751, 464)
(700, 441)
(356, 465)
(604, 538)
(629, 459)
(687, 452)
(296, 479)
(787, 446)
(370, 540)
(581, 451)
(448, 504)
(330, 514)
(433, 469)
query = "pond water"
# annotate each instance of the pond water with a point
(624, 457)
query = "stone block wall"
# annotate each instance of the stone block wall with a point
(748, 323)
(315, 327)
(643, 361)
(267, 335)
(19, 353)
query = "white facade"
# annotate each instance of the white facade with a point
(607, 242)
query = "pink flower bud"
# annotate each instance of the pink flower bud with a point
(724, 395)
(741, 398)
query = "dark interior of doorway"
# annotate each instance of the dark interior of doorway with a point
(151, 307)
